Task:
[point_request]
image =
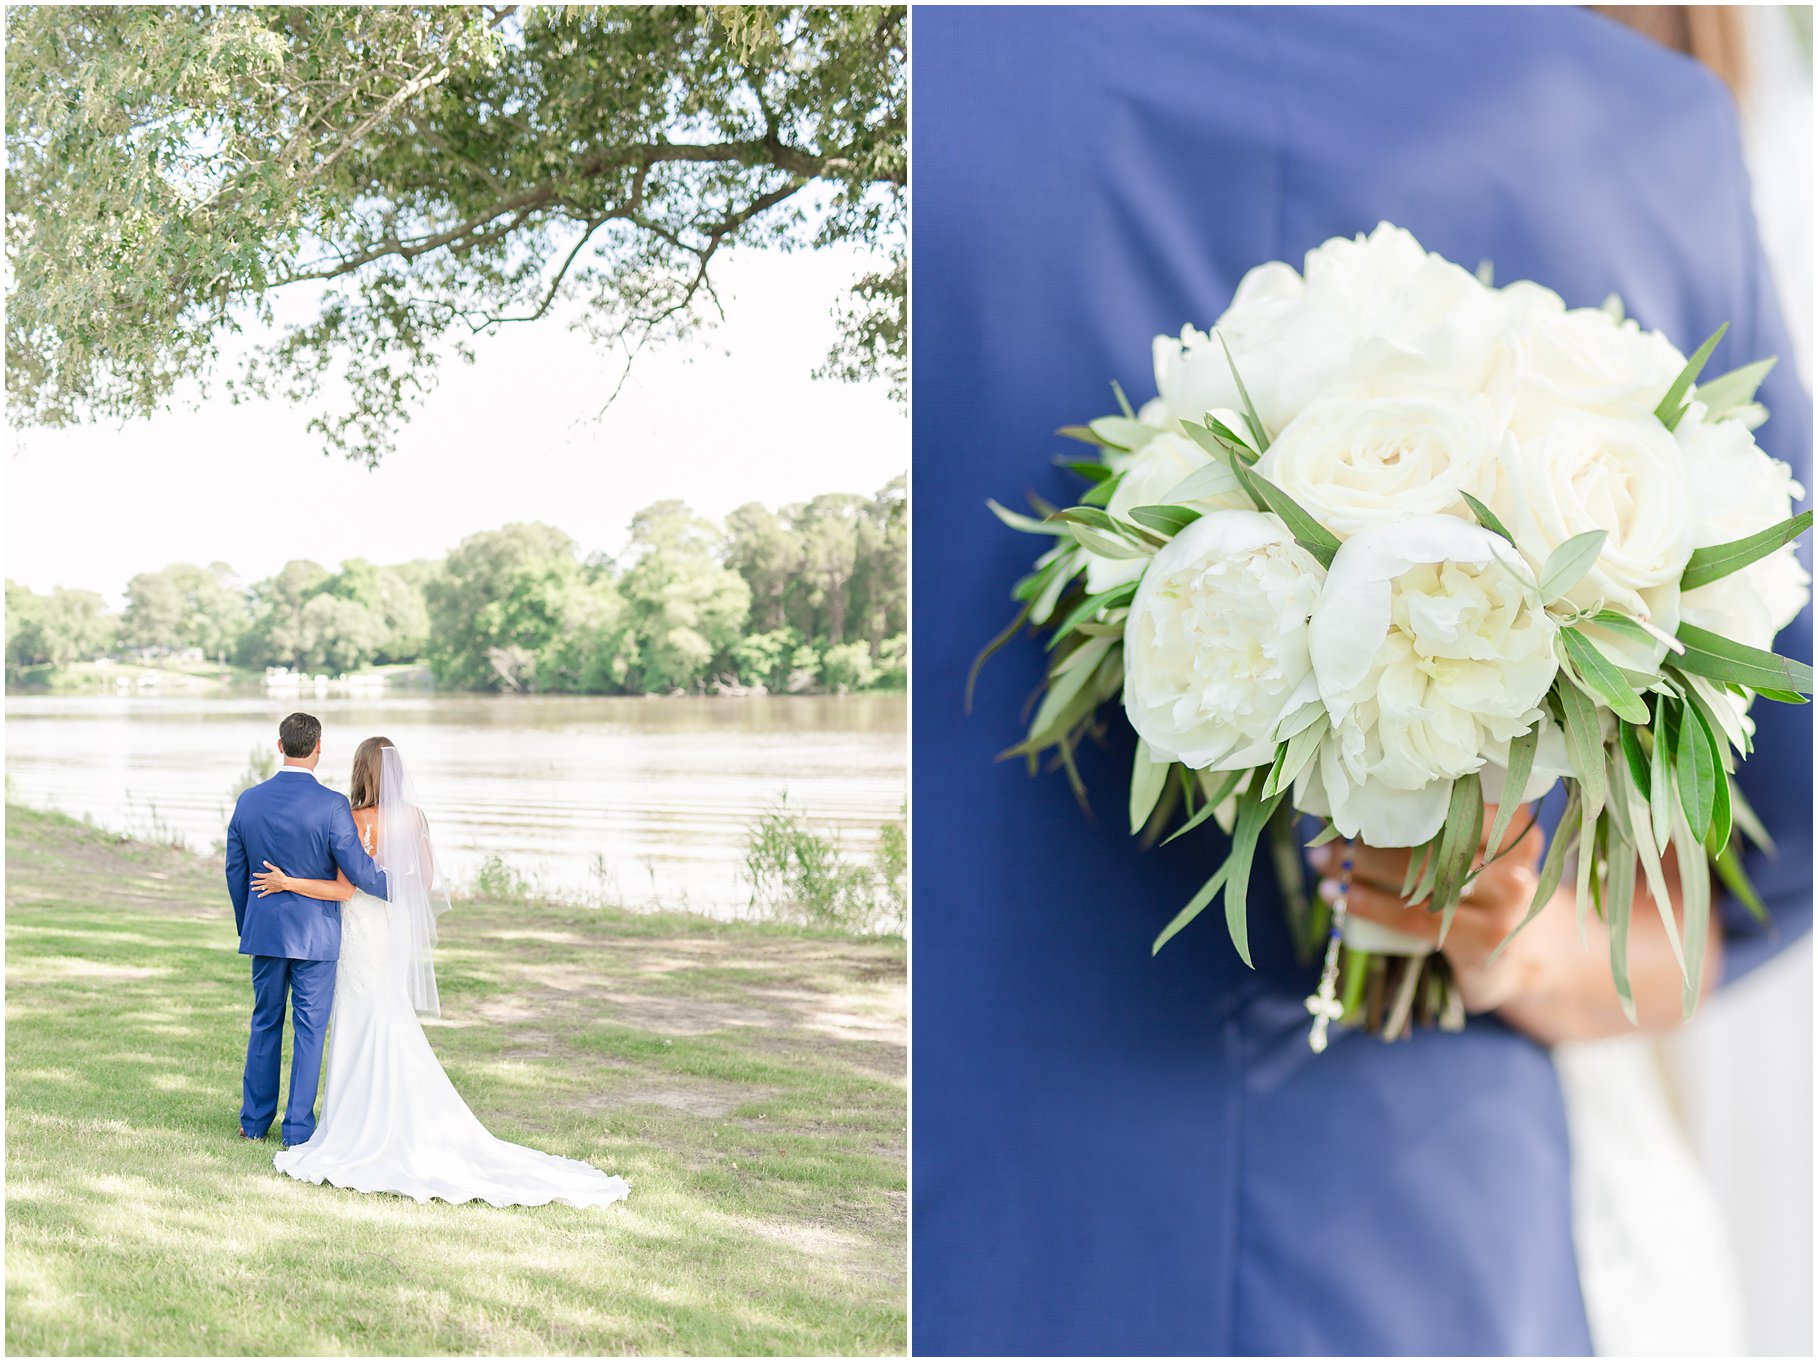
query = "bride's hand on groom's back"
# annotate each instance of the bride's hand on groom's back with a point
(270, 880)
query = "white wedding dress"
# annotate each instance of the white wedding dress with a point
(391, 1120)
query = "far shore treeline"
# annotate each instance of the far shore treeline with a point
(809, 598)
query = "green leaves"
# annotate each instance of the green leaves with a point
(1567, 564)
(1601, 676)
(1260, 437)
(1737, 388)
(1253, 811)
(1292, 756)
(1025, 524)
(1098, 532)
(1457, 848)
(1486, 517)
(1672, 407)
(1195, 906)
(1720, 560)
(425, 173)
(1090, 608)
(1233, 877)
(1721, 659)
(1697, 769)
(1315, 538)
(1147, 776)
(1695, 906)
(1618, 900)
(1515, 782)
(1167, 520)
(1214, 480)
(1552, 868)
(1584, 742)
(1120, 432)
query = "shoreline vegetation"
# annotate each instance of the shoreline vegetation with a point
(812, 599)
(748, 1077)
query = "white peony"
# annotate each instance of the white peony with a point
(1376, 305)
(1738, 491)
(1627, 477)
(1408, 308)
(1430, 657)
(1149, 479)
(1561, 359)
(1215, 649)
(1354, 459)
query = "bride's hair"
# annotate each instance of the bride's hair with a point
(363, 788)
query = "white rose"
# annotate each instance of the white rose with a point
(1581, 360)
(1354, 459)
(1739, 490)
(1627, 477)
(1149, 479)
(1288, 353)
(1215, 649)
(1429, 657)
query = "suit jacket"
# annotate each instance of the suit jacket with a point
(1119, 1154)
(307, 830)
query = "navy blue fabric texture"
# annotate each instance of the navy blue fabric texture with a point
(309, 988)
(307, 830)
(1119, 1154)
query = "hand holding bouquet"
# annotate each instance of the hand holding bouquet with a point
(1393, 544)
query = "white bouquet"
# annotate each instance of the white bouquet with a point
(1441, 545)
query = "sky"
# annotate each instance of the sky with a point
(727, 416)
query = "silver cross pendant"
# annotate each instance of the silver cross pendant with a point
(1326, 1009)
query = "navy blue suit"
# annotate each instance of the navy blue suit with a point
(307, 830)
(1119, 1154)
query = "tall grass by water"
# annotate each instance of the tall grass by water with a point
(800, 875)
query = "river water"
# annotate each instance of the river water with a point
(645, 802)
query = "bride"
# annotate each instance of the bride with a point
(392, 1122)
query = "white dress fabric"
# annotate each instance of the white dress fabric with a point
(391, 1120)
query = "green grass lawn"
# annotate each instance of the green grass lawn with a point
(749, 1081)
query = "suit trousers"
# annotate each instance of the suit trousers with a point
(309, 986)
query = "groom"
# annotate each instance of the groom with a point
(308, 830)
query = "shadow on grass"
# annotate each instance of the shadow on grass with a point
(758, 1110)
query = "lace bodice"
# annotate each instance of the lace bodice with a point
(366, 969)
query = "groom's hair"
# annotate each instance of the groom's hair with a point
(299, 734)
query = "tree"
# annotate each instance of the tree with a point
(880, 578)
(155, 613)
(500, 600)
(22, 638)
(62, 627)
(828, 527)
(419, 175)
(594, 653)
(685, 610)
(339, 635)
(848, 666)
(185, 607)
(396, 598)
(278, 636)
(768, 555)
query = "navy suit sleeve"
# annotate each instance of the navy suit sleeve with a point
(237, 884)
(1777, 778)
(344, 841)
